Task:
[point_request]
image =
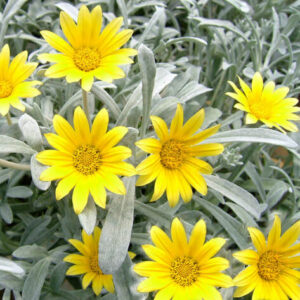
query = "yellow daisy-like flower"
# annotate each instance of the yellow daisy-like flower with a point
(173, 161)
(271, 272)
(90, 53)
(87, 263)
(86, 160)
(12, 77)
(183, 269)
(266, 104)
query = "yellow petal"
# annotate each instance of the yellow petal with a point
(149, 145)
(55, 172)
(66, 185)
(160, 127)
(211, 248)
(160, 185)
(69, 29)
(203, 135)
(179, 237)
(206, 150)
(161, 240)
(197, 238)
(258, 239)
(148, 164)
(99, 126)
(248, 257)
(97, 284)
(275, 232)
(87, 279)
(81, 125)
(57, 42)
(246, 277)
(193, 124)
(214, 265)
(78, 270)
(194, 178)
(108, 283)
(152, 284)
(80, 196)
(4, 61)
(158, 255)
(177, 122)
(112, 137)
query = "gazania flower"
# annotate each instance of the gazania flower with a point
(265, 104)
(173, 162)
(87, 263)
(12, 77)
(271, 274)
(90, 53)
(182, 269)
(86, 160)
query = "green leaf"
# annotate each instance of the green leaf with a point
(10, 266)
(116, 231)
(21, 192)
(11, 145)
(107, 100)
(256, 135)
(230, 224)
(88, 217)
(203, 22)
(11, 8)
(35, 280)
(242, 6)
(30, 251)
(58, 276)
(148, 72)
(36, 170)
(6, 213)
(157, 215)
(186, 39)
(9, 281)
(31, 132)
(256, 179)
(126, 282)
(234, 193)
(71, 10)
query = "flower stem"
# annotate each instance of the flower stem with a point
(8, 119)
(8, 164)
(86, 105)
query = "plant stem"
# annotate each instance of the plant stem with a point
(86, 105)
(8, 119)
(8, 164)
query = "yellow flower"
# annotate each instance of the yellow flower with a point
(271, 272)
(12, 76)
(87, 263)
(266, 104)
(86, 159)
(183, 269)
(89, 52)
(173, 161)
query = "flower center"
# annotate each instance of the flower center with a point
(184, 270)
(87, 59)
(94, 265)
(269, 266)
(171, 154)
(260, 109)
(5, 88)
(87, 159)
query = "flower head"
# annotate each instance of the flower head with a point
(270, 274)
(87, 263)
(173, 162)
(12, 77)
(90, 53)
(86, 160)
(265, 104)
(183, 269)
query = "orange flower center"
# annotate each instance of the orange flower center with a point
(171, 154)
(94, 265)
(5, 88)
(269, 266)
(184, 270)
(87, 59)
(260, 109)
(87, 159)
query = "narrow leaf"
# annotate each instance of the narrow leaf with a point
(230, 224)
(234, 193)
(116, 231)
(35, 280)
(148, 72)
(11, 145)
(256, 135)
(88, 217)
